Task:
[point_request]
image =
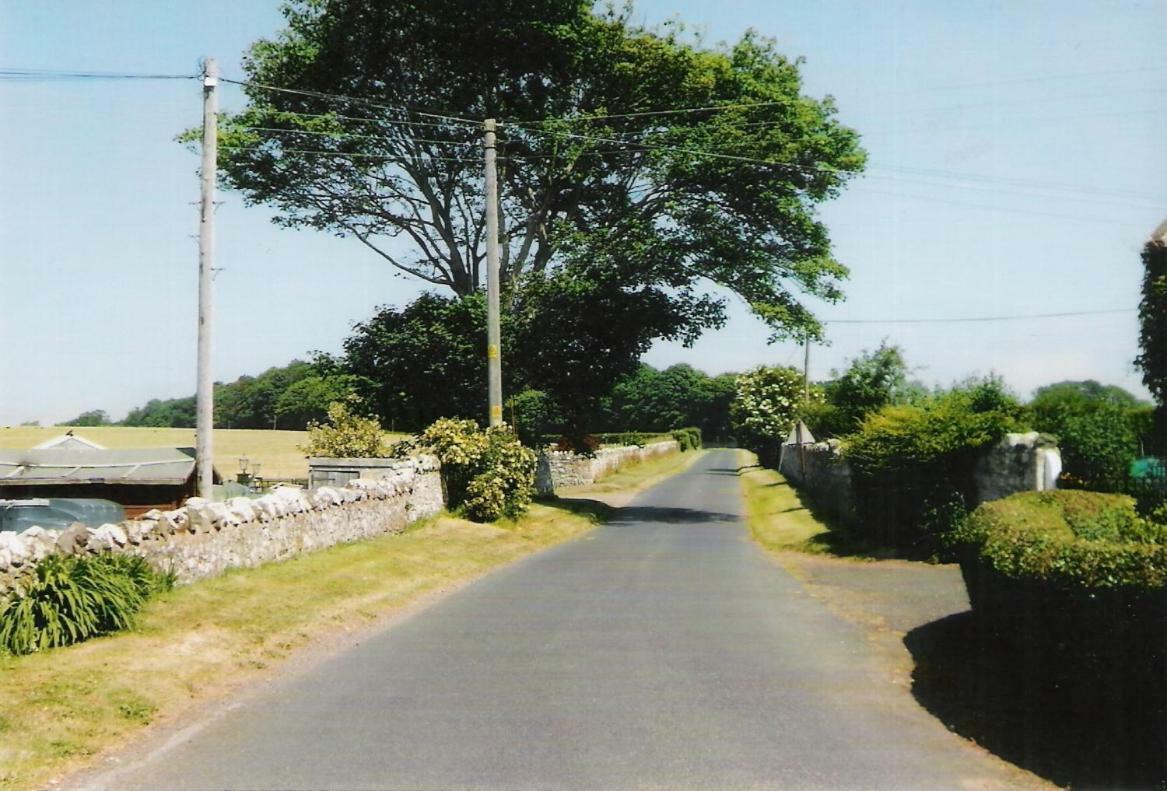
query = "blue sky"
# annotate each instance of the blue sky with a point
(1016, 167)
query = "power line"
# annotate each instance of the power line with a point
(325, 152)
(978, 319)
(340, 97)
(31, 75)
(354, 135)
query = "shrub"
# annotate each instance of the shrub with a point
(488, 474)
(764, 408)
(913, 465)
(74, 598)
(346, 436)
(1069, 540)
(688, 438)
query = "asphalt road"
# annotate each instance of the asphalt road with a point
(663, 650)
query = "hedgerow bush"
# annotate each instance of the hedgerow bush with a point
(913, 465)
(1069, 541)
(688, 438)
(764, 408)
(488, 474)
(71, 599)
(347, 435)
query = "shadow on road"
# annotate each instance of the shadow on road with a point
(1082, 728)
(631, 514)
(734, 471)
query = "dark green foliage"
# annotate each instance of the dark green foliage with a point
(913, 464)
(688, 438)
(579, 330)
(424, 361)
(1098, 429)
(94, 417)
(872, 381)
(680, 395)
(1152, 357)
(74, 598)
(252, 401)
(678, 218)
(534, 415)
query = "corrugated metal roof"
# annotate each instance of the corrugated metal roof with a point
(96, 465)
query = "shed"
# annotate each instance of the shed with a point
(137, 478)
(68, 440)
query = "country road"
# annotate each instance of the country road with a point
(662, 650)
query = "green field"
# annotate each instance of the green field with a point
(277, 451)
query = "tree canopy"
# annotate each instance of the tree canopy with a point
(363, 119)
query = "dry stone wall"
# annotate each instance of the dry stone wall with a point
(1018, 463)
(203, 538)
(558, 469)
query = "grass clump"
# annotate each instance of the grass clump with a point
(72, 599)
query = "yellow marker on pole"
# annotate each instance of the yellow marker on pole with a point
(492, 352)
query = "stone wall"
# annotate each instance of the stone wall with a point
(558, 469)
(824, 474)
(203, 539)
(1018, 463)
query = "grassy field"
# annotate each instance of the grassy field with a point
(277, 451)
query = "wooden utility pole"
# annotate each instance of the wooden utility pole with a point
(205, 415)
(493, 331)
(805, 401)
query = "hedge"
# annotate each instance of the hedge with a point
(688, 438)
(1079, 571)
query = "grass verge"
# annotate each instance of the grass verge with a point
(782, 521)
(198, 643)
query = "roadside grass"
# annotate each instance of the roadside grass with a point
(780, 520)
(277, 451)
(198, 643)
(635, 477)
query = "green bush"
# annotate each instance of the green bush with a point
(688, 438)
(74, 598)
(913, 465)
(1068, 540)
(347, 435)
(488, 474)
(764, 408)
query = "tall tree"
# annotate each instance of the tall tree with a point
(595, 154)
(1152, 358)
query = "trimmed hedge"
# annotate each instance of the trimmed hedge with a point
(688, 438)
(1076, 577)
(1069, 540)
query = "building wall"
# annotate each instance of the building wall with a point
(203, 539)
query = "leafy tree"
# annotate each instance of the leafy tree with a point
(307, 400)
(685, 199)
(872, 381)
(764, 410)
(1152, 358)
(158, 413)
(580, 329)
(1098, 428)
(94, 417)
(424, 361)
(657, 401)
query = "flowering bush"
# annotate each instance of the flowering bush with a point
(764, 408)
(489, 474)
(346, 435)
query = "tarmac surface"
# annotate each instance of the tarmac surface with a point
(662, 650)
